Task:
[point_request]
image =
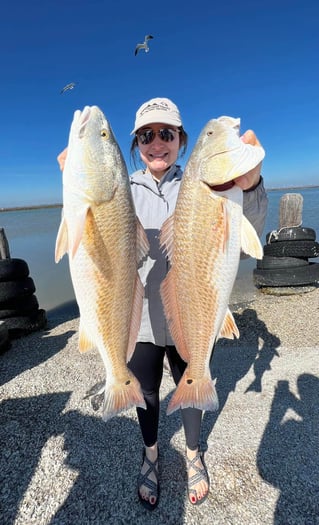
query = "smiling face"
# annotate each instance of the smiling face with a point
(159, 155)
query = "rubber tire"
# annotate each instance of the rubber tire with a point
(19, 326)
(292, 249)
(11, 289)
(4, 338)
(295, 233)
(12, 269)
(269, 262)
(5, 344)
(19, 306)
(298, 276)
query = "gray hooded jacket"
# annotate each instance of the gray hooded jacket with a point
(154, 203)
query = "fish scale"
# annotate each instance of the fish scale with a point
(199, 320)
(203, 240)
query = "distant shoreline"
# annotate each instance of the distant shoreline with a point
(311, 187)
(57, 205)
(35, 207)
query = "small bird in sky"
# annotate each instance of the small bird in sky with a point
(144, 45)
(67, 87)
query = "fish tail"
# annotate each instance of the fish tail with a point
(122, 396)
(195, 393)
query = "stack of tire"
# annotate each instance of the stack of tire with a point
(286, 258)
(19, 307)
(5, 342)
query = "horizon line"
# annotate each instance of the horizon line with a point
(60, 205)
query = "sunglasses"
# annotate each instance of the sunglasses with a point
(146, 136)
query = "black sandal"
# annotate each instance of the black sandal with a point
(143, 479)
(200, 475)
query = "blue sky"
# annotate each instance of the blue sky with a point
(253, 60)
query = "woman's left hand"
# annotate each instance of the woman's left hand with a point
(252, 177)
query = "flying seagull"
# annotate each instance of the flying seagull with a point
(144, 45)
(67, 87)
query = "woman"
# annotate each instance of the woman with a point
(159, 138)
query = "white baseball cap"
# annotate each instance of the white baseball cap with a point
(161, 110)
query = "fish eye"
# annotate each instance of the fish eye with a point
(104, 134)
(210, 133)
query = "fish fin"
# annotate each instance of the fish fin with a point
(229, 328)
(171, 310)
(121, 396)
(61, 243)
(76, 235)
(167, 237)
(142, 244)
(85, 342)
(196, 393)
(136, 316)
(250, 242)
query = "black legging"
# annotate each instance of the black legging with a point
(147, 366)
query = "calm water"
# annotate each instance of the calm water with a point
(31, 235)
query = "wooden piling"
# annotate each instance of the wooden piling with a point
(290, 212)
(4, 245)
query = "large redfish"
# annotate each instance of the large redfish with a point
(105, 241)
(203, 240)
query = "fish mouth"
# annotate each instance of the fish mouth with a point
(223, 187)
(81, 119)
(84, 119)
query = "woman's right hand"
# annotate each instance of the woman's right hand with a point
(61, 158)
